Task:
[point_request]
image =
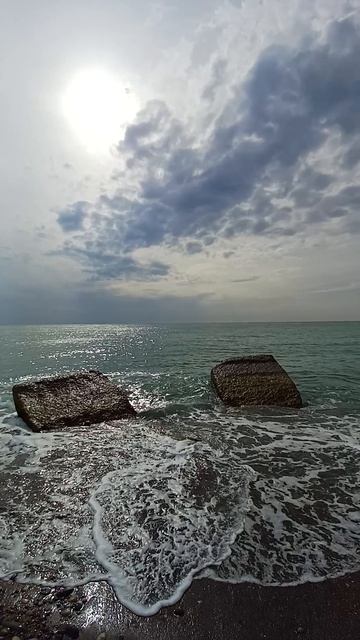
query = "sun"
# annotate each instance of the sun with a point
(98, 107)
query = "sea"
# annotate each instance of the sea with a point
(189, 489)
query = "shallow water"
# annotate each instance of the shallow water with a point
(271, 496)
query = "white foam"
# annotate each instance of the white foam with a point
(303, 522)
(151, 506)
(166, 524)
(144, 511)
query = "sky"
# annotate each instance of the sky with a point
(167, 161)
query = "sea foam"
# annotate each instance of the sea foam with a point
(271, 497)
(121, 502)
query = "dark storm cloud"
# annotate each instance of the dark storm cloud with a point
(289, 105)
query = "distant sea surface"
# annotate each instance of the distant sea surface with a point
(190, 488)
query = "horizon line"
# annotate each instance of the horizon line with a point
(173, 322)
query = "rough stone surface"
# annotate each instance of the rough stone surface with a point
(254, 380)
(81, 398)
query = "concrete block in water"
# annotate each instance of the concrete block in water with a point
(81, 398)
(254, 380)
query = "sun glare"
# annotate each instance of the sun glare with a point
(98, 106)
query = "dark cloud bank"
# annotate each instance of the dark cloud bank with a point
(291, 103)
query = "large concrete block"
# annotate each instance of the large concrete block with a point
(254, 380)
(82, 398)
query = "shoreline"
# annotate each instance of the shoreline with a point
(209, 610)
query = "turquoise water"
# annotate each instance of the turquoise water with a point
(271, 496)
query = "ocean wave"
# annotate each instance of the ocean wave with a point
(191, 487)
(271, 497)
(142, 510)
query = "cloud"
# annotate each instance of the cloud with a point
(241, 280)
(72, 218)
(258, 171)
(217, 79)
(194, 247)
(107, 266)
(351, 286)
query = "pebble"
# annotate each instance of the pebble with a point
(101, 636)
(69, 631)
(48, 597)
(10, 624)
(47, 606)
(64, 593)
(15, 638)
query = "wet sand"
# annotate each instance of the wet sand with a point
(209, 610)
